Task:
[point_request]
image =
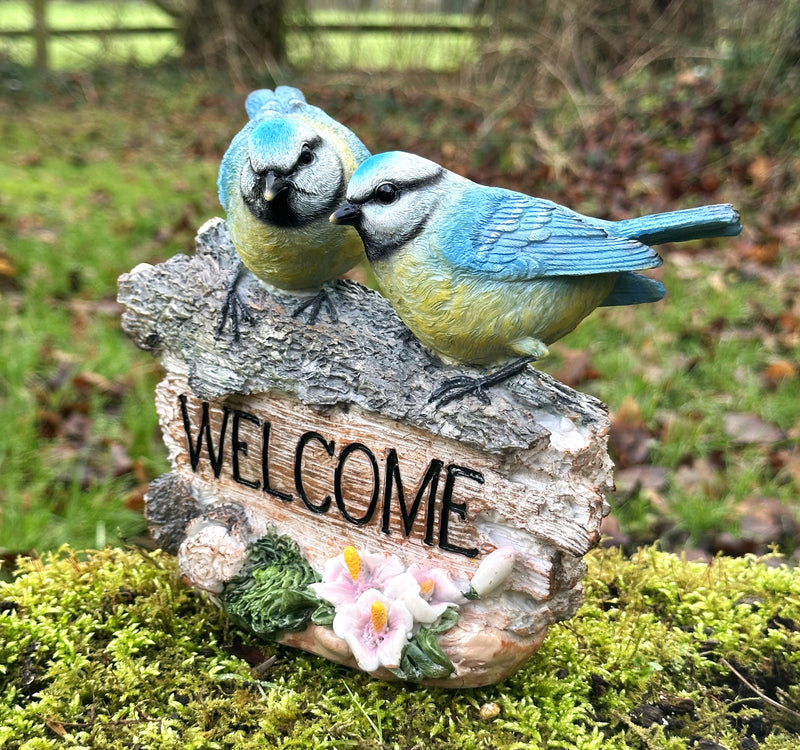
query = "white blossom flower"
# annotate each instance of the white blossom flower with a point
(211, 555)
(426, 592)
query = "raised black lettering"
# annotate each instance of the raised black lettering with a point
(337, 483)
(265, 434)
(429, 482)
(204, 432)
(306, 438)
(240, 446)
(460, 509)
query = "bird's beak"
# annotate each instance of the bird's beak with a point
(274, 185)
(347, 213)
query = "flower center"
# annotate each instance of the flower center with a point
(352, 561)
(378, 615)
(426, 587)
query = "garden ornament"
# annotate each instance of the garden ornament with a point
(316, 495)
(483, 275)
(280, 178)
(313, 491)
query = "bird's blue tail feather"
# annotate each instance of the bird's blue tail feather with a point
(634, 289)
(282, 99)
(721, 220)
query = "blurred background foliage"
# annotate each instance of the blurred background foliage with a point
(110, 144)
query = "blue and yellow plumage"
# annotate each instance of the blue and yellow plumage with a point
(279, 179)
(482, 275)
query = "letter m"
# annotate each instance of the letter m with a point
(430, 482)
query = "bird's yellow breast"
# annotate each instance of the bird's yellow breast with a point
(292, 259)
(471, 318)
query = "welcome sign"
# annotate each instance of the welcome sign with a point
(321, 499)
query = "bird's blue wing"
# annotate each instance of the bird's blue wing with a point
(231, 165)
(634, 289)
(508, 235)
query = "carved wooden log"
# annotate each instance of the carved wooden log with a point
(323, 433)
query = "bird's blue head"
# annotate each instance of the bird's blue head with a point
(291, 175)
(390, 198)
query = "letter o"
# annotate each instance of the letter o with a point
(337, 483)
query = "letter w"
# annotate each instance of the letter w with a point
(205, 431)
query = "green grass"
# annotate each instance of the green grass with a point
(62, 14)
(85, 196)
(323, 50)
(78, 52)
(687, 377)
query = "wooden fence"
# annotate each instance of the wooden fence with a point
(41, 32)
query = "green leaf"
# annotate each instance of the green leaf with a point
(447, 620)
(271, 594)
(323, 615)
(423, 657)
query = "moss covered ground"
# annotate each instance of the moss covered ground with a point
(110, 650)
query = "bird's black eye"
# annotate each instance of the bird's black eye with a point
(386, 193)
(306, 155)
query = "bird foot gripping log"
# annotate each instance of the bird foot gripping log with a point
(325, 503)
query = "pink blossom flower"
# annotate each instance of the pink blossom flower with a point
(375, 628)
(348, 575)
(437, 586)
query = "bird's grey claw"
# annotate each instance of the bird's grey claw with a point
(454, 388)
(237, 310)
(315, 304)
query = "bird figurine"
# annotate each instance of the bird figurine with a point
(279, 180)
(484, 275)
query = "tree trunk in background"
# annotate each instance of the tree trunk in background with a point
(233, 35)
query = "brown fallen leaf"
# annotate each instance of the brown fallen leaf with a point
(786, 464)
(612, 534)
(134, 500)
(765, 253)
(56, 726)
(766, 520)
(7, 268)
(699, 475)
(760, 170)
(629, 439)
(641, 476)
(779, 371)
(576, 366)
(748, 429)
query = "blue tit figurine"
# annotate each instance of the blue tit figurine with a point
(482, 275)
(280, 178)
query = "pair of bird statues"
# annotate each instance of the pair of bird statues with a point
(481, 275)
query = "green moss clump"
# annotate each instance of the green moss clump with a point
(108, 649)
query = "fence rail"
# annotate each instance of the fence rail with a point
(88, 31)
(41, 32)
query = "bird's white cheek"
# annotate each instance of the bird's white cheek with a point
(373, 227)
